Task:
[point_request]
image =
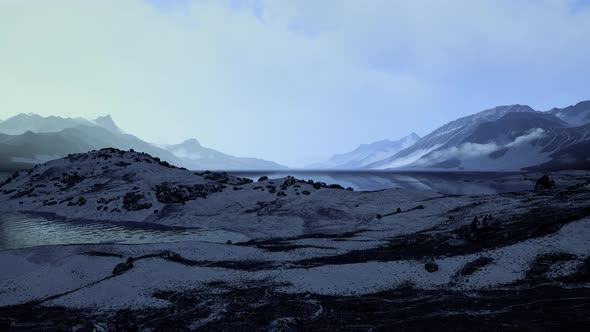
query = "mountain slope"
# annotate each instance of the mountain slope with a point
(107, 123)
(32, 139)
(21, 151)
(366, 154)
(514, 142)
(448, 135)
(22, 123)
(575, 115)
(196, 156)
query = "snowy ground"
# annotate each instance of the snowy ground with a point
(330, 259)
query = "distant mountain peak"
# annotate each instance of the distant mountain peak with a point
(107, 123)
(191, 142)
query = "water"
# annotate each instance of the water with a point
(4, 175)
(456, 183)
(21, 230)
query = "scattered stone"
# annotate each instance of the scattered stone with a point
(263, 178)
(281, 193)
(80, 202)
(305, 192)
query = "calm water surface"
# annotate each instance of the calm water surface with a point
(18, 230)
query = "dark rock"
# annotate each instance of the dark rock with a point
(20, 194)
(399, 210)
(172, 256)
(229, 242)
(263, 178)
(289, 181)
(544, 183)
(281, 193)
(475, 265)
(122, 164)
(317, 185)
(123, 267)
(305, 192)
(335, 186)
(166, 193)
(80, 202)
(71, 180)
(431, 266)
(379, 216)
(131, 202)
(350, 189)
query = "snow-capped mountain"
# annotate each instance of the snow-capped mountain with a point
(575, 115)
(366, 154)
(506, 138)
(197, 156)
(446, 136)
(28, 139)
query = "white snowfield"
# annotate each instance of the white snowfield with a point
(330, 241)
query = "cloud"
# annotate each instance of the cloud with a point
(470, 150)
(287, 81)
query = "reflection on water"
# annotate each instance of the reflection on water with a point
(4, 175)
(20, 230)
(474, 183)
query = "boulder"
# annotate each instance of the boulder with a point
(431, 266)
(544, 183)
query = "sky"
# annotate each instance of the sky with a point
(286, 80)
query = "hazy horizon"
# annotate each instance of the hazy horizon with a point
(292, 82)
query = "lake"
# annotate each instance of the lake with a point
(21, 230)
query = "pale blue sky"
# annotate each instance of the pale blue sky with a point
(291, 81)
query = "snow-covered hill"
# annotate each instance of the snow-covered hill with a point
(112, 184)
(366, 154)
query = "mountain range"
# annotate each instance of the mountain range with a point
(366, 154)
(505, 138)
(27, 139)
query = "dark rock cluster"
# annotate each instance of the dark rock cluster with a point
(72, 179)
(134, 201)
(167, 193)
